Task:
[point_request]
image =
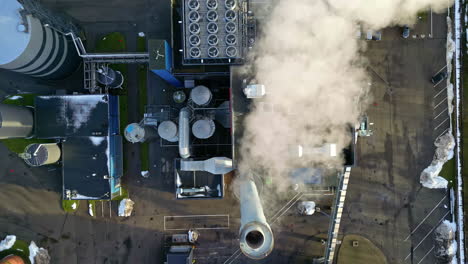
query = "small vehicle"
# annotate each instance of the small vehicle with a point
(406, 32)
(439, 77)
(373, 35)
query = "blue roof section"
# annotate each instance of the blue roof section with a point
(13, 42)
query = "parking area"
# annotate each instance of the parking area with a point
(385, 201)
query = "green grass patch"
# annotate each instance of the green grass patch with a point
(67, 205)
(123, 195)
(23, 100)
(141, 44)
(113, 42)
(20, 248)
(422, 15)
(448, 172)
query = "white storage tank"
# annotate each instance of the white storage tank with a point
(15, 121)
(31, 48)
(201, 95)
(203, 128)
(41, 154)
(168, 130)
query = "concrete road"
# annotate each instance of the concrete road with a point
(385, 201)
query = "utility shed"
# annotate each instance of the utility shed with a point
(180, 255)
(72, 116)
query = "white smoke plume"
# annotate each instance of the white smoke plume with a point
(310, 61)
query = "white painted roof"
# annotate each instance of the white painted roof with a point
(13, 41)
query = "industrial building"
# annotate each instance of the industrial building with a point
(196, 126)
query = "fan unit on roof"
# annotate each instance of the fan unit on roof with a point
(230, 4)
(231, 27)
(231, 39)
(212, 16)
(231, 51)
(195, 52)
(194, 28)
(212, 40)
(194, 16)
(212, 4)
(230, 15)
(193, 4)
(213, 52)
(194, 40)
(212, 28)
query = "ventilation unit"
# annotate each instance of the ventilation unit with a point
(212, 40)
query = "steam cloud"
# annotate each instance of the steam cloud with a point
(309, 59)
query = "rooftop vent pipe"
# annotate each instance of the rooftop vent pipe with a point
(217, 165)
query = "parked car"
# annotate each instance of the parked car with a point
(439, 77)
(373, 35)
(406, 32)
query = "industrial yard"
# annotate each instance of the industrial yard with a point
(160, 132)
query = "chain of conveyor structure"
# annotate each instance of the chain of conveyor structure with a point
(92, 61)
(336, 216)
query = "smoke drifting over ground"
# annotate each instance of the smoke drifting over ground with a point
(308, 57)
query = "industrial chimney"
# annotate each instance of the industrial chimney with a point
(15, 121)
(256, 237)
(31, 48)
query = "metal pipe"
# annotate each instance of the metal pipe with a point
(256, 237)
(184, 133)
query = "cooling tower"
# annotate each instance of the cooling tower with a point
(31, 48)
(41, 154)
(15, 121)
(256, 237)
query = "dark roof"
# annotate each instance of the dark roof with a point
(73, 115)
(179, 257)
(85, 167)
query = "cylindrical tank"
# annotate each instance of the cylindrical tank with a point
(12, 259)
(168, 130)
(203, 128)
(201, 95)
(256, 237)
(31, 48)
(136, 134)
(15, 121)
(110, 78)
(42, 154)
(184, 133)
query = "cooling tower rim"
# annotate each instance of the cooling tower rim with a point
(268, 240)
(17, 41)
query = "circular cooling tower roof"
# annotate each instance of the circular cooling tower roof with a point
(13, 42)
(203, 128)
(200, 95)
(134, 133)
(168, 131)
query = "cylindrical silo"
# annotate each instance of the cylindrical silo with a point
(41, 154)
(15, 121)
(201, 95)
(256, 238)
(168, 130)
(203, 128)
(31, 48)
(137, 134)
(109, 77)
